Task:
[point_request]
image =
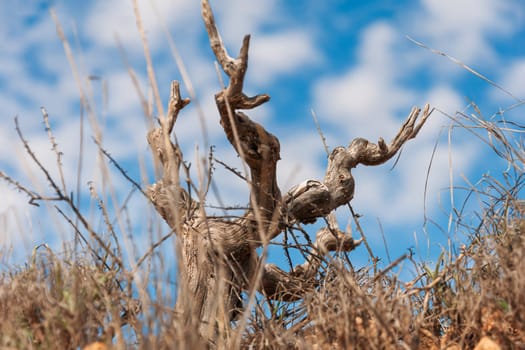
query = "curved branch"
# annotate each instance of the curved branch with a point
(254, 144)
(171, 201)
(368, 153)
(215, 38)
(235, 68)
(291, 286)
(313, 199)
(216, 252)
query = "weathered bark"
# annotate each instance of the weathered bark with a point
(313, 199)
(218, 257)
(294, 285)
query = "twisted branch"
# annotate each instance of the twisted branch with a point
(313, 199)
(256, 146)
(171, 201)
(218, 257)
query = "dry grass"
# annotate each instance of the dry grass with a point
(67, 301)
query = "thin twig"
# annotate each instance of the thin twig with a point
(363, 237)
(153, 247)
(463, 65)
(54, 147)
(120, 169)
(320, 132)
(149, 62)
(33, 196)
(232, 170)
(105, 215)
(393, 264)
(31, 154)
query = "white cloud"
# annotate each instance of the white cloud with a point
(283, 53)
(14, 220)
(368, 100)
(459, 16)
(444, 99)
(32, 67)
(122, 96)
(301, 155)
(377, 49)
(512, 79)
(463, 28)
(107, 19)
(364, 100)
(362, 103)
(236, 18)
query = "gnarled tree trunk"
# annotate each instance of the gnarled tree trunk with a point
(218, 258)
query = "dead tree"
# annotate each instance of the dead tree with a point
(218, 259)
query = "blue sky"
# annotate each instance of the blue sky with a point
(348, 61)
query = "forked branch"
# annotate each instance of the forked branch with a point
(218, 257)
(313, 199)
(291, 286)
(256, 146)
(307, 201)
(171, 201)
(235, 68)
(364, 152)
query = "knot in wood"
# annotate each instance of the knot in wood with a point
(342, 189)
(308, 201)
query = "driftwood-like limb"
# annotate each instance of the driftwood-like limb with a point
(218, 257)
(291, 286)
(256, 146)
(364, 152)
(235, 68)
(170, 200)
(313, 199)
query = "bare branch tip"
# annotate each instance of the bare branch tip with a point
(175, 88)
(382, 145)
(243, 54)
(206, 8)
(427, 111)
(176, 95)
(415, 111)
